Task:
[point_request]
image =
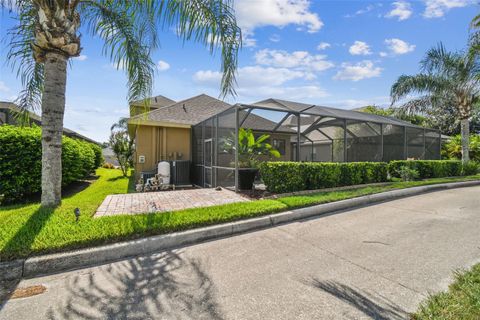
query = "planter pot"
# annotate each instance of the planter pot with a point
(246, 178)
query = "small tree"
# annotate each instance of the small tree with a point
(250, 148)
(122, 145)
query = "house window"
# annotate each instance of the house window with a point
(279, 144)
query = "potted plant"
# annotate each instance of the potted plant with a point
(250, 148)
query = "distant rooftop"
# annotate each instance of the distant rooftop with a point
(13, 109)
(155, 102)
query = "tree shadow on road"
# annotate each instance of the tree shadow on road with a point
(162, 286)
(376, 307)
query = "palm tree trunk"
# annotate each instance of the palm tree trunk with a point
(53, 107)
(465, 132)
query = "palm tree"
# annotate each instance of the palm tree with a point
(448, 80)
(47, 36)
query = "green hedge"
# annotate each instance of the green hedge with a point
(20, 161)
(283, 177)
(428, 168)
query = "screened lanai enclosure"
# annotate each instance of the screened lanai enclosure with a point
(304, 132)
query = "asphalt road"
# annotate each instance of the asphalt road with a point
(374, 262)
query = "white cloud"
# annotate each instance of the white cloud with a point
(360, 48)
(252, 14)
(274, 38)
(401, 9)
(397, 46)
(301, 60)
(365, 10)
(3, 87)
(438, 8)
(323, 45)
(383, 54)
(162, 65)
(252, 76)
(81, 57)
(355, 72)
(256, 82)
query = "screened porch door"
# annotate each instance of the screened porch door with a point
(207, 171)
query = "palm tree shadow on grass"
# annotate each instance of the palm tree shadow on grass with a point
(160, 286)
(21, 243)
(375, 307)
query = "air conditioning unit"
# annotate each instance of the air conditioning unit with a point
(180, 172)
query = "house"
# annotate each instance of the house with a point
(11, 114)
(197, 128)
(165, 131)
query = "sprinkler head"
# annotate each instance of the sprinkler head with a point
(76, 211)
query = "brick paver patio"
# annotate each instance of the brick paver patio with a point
(162, 201)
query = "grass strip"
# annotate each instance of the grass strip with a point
(461, 301)
(30, 230)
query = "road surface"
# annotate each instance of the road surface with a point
(377, 262)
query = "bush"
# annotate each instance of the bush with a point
(283, 177)
(408, 174)
(453, 148)
(108, 165)
(427, 168)
(470, 168)
(99, 159)
(21, 161)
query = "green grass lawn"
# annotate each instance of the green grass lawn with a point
(29, 230)
(461, 301)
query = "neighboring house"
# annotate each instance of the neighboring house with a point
(138, 107)
(109, 156)
(11, 114)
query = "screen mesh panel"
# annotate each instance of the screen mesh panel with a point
(364, 141)
(432, 145)
(393, 142)
(415, 143)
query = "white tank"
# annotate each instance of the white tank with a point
(164, 171)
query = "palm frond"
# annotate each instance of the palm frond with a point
(475, 23)
(209, 22)
(126, 28)
(440, 61)
(419, 84)
(122, 125)
(20, 58)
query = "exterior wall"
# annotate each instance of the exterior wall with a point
(287, 156)
(160, 143)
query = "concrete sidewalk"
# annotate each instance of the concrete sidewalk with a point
(374, 262)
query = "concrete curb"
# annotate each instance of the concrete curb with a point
(53, 263)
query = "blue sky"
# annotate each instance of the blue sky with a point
(343, 54)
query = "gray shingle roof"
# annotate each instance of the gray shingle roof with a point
(259, 123)
(34, 118)
(155, 102)
(190, 111)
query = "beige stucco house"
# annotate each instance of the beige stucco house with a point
(162, 131)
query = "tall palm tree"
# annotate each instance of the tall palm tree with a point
(47, 35)
(447, 80)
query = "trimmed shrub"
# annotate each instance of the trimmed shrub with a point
(470, 168)
(108, 165)
(21, 161)
(427, 168)
(283, 177)
(99, 159)
(408, 174)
